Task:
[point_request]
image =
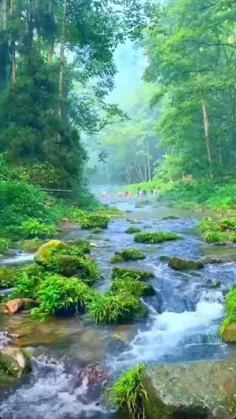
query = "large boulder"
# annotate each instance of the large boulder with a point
(198, 390)
(14, 362)
(229, 333)
(180, 264)
(45, 252)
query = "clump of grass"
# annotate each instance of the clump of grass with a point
(230, 311)
(96, 230)
(132, 286)
(156, 237)
(132, 230)
(7, 276)
(128, 393)
(127, 254)
(4, 244)
(115, 309)
(133, 273)
(212, 237)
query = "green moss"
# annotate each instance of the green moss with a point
(127, 393)
(212, 237)
(62, 296)
(133, 287)
(46, 251)
(79, 246)
(115, 309)
(156, 237)
(230, 317)
(7, 277)
(96, 230)
(180, 264)
(27, 280)
(133, 273)
(83, 267)
(91, 221)
(127, 254)
(133, 230)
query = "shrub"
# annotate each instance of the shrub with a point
(128, 393)
(27, 280)
(212, 237)
(91, 221)
(115, 309)
(33, 228)
(156, 237)
(62, 296)
(7, 276)
(133, 273)
(133, 230)
(4, 244)
(127, 254)
(133, 287)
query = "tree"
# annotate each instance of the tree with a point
(192, 56)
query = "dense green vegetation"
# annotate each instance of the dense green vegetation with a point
(230, 317)
(127, 254)
(155, 237)
(127, 393)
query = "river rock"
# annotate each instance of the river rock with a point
(229, 333)
(18, 304)
(180, 264)
(14, 362)
(198, 390)
(44, 253)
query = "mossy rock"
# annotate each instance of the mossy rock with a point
(165, 258)
(14, 362)
(116, 309)
(133, 273)
(213, 284)
(195, 390)
(180, 264)
(132, 286)
(228, 334)
(171, 217)
(127, 254)
(45, 252)
(83, 267)
(91, 221)
(132, 230)
(7, 277)
(96, 230)
(155, 237)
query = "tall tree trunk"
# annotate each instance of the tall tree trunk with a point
(51, 47)
(4, 14)
(62, 58)
(13, 50)
(206, 124)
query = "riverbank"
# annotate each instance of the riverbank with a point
(219, 196)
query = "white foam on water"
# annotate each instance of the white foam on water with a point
(167, 332)
(18, 259)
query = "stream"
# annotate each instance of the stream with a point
(73, 359)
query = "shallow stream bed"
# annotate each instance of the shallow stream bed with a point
(73, 359)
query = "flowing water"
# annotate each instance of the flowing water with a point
(73, 359)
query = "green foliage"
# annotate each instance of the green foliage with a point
(78, 247)
(7, 276)
(132, 286)
(127, 254)
(30, 245)
(59, 295)
(115, 309)
(128, 393)
(96, 230)
(91, 221)
(27, 281)
(212, 236)
(133, 230)
(230, 310)
(31, 228)
(133, 273)
(4, 244)
(156, 237)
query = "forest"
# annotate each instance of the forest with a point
(117, 209)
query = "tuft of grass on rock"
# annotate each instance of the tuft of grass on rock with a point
(127, 254)
(155, 237)
(127, 393)
(132, 230)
